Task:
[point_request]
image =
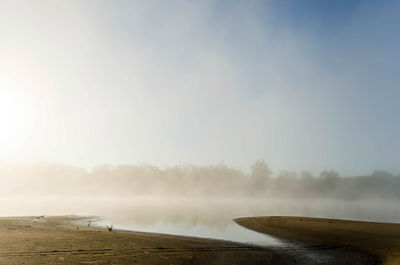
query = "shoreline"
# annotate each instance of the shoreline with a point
(60, 240)
(376, 240)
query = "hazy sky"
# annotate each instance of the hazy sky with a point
(300, 84)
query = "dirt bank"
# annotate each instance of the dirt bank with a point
(379, 240)
(60, 240)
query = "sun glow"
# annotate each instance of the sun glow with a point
(16, 119)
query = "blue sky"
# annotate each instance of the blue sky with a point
(304, 85)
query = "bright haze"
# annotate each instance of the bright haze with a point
(307, 85)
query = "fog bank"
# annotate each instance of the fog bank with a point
(190, 195)
(220, 181)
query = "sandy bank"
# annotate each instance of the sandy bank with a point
(380, 240)
(68, 240)
(59, 240)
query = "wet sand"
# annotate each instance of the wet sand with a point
(379, 241)
(68, 240)
(59, 240)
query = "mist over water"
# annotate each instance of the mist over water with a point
(187, 212)
(194, 201)
(198, 217)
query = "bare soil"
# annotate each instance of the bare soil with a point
(379, 241)
(63, 240)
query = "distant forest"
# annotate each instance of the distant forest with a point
(48, 179)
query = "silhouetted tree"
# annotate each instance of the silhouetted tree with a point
(331, 174)
(381, 174)
(260, 175)
(329, 180)
(306, 176)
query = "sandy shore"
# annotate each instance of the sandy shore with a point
(57, 240)
(379, 240)
(61, 240)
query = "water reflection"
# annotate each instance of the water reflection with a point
(200, 217)
(230, 232)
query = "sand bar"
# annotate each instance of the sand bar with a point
(379, 240)
(68, 240)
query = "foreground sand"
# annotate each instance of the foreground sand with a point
(54, 240)
(60, 240)
(380, 240)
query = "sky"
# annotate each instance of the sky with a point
(303, 85)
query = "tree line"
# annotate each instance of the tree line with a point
(190, 180)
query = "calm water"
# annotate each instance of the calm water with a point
(230, 232)
(198, 217)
